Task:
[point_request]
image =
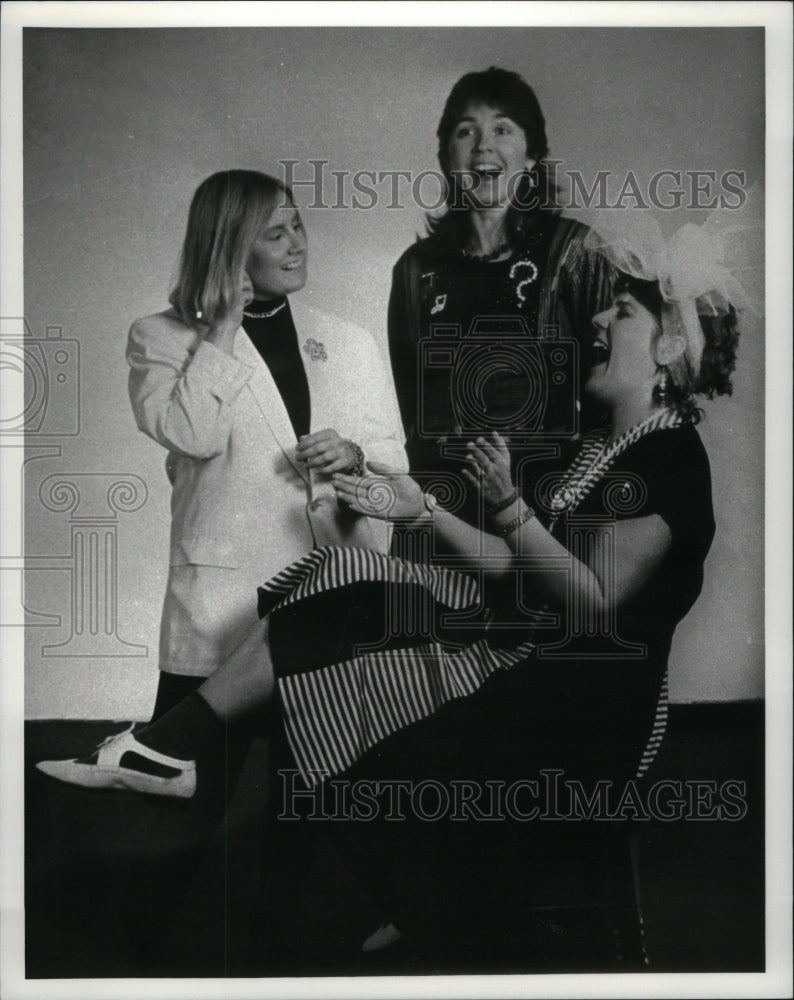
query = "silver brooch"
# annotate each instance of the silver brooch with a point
(315, 350)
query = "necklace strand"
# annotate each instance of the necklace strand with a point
(264, 315)
(596, 457)
(484, 257)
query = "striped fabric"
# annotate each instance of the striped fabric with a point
(658, 730)
(335, 566)
(335, 712)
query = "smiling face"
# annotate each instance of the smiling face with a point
(625, 352)
(488, 152)
(277, 261)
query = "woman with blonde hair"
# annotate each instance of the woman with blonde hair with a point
(258, 400)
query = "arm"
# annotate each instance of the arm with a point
(640, 543)
(182, 387)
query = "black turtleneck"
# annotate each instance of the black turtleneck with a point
(276, 339)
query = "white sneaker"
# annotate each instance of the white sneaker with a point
(122, 762)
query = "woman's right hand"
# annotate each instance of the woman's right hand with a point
(222, 332)
(489, 471)
(390, 495)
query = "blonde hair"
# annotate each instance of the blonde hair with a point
(226, 215)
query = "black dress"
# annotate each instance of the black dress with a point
(587, 706)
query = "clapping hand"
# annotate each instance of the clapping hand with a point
(389, 494)
(489, 468)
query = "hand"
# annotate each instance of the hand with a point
(326, 452)
(223, 330)
(490, 468)
(389, 495)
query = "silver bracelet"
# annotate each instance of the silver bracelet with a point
(511, 526)
(358, 455)
(501, 505)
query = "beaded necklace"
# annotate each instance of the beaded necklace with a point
(595, 458)
(267, 314)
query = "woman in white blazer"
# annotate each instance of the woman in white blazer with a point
(210, 383)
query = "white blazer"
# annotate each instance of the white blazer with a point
(242, 506)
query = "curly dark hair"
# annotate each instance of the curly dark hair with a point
(537, 190)
(719, 355)
(717, 363)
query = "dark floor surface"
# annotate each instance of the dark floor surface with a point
(98, 867)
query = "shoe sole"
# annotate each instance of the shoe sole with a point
(118, 778)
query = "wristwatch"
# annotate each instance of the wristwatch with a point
(431, 502)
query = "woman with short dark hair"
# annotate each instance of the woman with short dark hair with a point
(499, 276)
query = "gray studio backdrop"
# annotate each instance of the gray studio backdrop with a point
(121, 126)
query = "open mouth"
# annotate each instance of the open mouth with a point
(486, 169)
(599, 353)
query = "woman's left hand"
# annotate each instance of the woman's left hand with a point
(326, 452)
(390, 495)
(489, 470)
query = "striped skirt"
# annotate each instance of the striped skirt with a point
(364, 644)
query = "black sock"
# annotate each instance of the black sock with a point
(171, 689)
(189, 730)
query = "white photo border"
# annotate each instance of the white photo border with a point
(777, 19)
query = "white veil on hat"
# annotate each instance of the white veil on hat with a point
(701, 270)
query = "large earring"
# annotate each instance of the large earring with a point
(663, 389)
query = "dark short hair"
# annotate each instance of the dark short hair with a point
(717, 363)
(496, 88)
(536, 192)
